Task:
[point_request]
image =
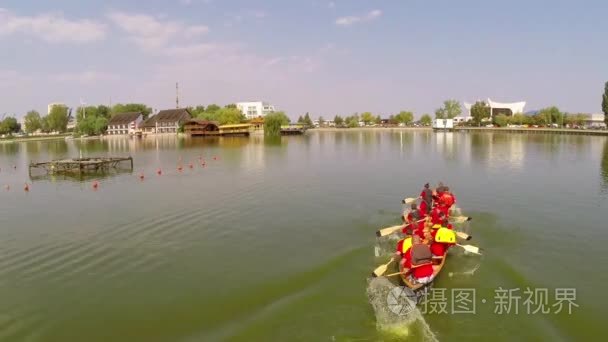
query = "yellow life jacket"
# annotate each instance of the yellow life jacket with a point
(445, 235)
(436, 226)
(407, 244)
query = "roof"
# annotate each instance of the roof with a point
(124, 118)
(201, 122)
(236, 126)
(168, 115)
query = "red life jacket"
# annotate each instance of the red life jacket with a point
(422, 271)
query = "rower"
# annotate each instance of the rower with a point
(427, 200)
(444, 239)
(412, 219)
(447, 200)
(403, 252)
(421, 262)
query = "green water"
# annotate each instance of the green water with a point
(274, 240)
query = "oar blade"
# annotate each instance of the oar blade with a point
(408, 200)
(461, 219)
(464, 236)
(388, 231)
(471, 249)
(380, 270)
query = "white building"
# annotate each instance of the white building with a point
(125, 123)
(443, 124)
(595, 121)
(255, 109)
(55, 104)
(462, 119)
(500, 108)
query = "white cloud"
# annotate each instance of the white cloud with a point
(151, 33)
(51, 27)
(351, 20)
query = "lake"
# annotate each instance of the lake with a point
(275, 240)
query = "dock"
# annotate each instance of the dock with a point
(292, 129)
(81, 165)
(532, 130)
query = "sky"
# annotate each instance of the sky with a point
(317, 56)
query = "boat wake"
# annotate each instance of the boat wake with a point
(397, 317)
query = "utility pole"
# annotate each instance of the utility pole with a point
(176, 95)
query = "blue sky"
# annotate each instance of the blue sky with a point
(324, 57)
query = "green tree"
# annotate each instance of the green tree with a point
(551, 115)
(230, 105)
(519, 119)
(300, 120)
(273, 123)
(57, 119)
(426, 120)
(404, 117)
(479, 111)
(352, 121)
(196, 111)
(501, 120)
(321, 121)
(32, 121)
(450, 109)
(367, 118)
(338, 121)
(307, 120)
(212, 108)
(229, 115)
(378, 120)
(131, 107)
(605, 103)
(9, 125)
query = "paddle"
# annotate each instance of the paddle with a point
(390, 230)
(470, 249)
(379, 271)
(409, 200)
(398, 273)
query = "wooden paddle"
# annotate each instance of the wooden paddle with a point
(471, 249)
(398, 273)
(390, 230)
(380, 270)
(409, 200)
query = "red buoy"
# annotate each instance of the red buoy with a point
(191, 166)
(159, 172)
(180, 168)
(26, 187)
(141, 176)
(95, 185)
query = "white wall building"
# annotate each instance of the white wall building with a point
(595, 121)
(255, 109)
(125, 123)
(500, 108)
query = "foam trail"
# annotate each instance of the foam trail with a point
(396, 314)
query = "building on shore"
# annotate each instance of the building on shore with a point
(497, 108)
(257, 109)
(166, 121)
(458, 120)
(198, 127)
(595, 121)
(125, 123)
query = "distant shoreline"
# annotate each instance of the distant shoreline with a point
(36, 138)
(360, 129)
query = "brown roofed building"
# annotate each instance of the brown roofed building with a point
(125, 123)
(166, 121)
(194, 127)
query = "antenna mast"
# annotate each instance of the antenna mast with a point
(176, 95)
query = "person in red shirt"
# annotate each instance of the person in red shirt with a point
(421, 262)
(403, 252)
(444, 238)
(446, 201)
(413, 220)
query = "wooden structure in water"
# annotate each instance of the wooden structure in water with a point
(81, 165)
(196, 127)
(292, 129)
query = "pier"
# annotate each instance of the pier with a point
(81, 165)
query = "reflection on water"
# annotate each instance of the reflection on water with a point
(604, 165)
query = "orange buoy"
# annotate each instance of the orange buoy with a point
(141, 176)
(180, 168)
(26, 187)
(159, 172)
(214, 158)
(191, 166)
(95, 185)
